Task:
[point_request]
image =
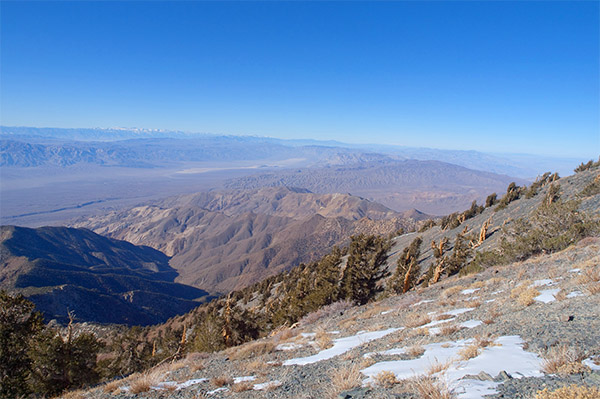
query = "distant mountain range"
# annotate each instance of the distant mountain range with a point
(220, 241)
(100, 279)
(151, 147)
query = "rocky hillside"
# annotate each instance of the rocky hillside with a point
(433, 187)
(228, 240)
(521, 324)
(99, 279)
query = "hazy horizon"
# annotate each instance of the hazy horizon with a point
(508, 77)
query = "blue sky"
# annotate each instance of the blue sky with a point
(493, 76)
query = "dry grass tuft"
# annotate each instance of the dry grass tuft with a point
(366, 362)
(521, 273)
(448, 292)
(515, 292)
(485, 340)
(560, 295)
(221, 381)
(593, 288)
(79, 394)
(252, 349)
(477, 284)
(414, 320)
(144, 382)
(563, 360)
(444, 316)
(374, 311)
(415, 351)
(469, 352)
(256, 365)
(344, 379)
(494, 281)
(448, 330)
(242, 386)
(427, 387)
(570, 392)
(346, 324)
(589, 275)
(323, 339)
(112, 386)
(527, 297)
(447, 302)
(438, 367)
(473, 304)
(386, 379)
(418, 332)
(284, 334)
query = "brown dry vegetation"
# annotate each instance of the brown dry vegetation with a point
(527, 297)
(570, 392)
(221, 381)
(427, 387)
(469, 352)
(415, 320)
(344, 379)
(252, 349)
(242, 386)
(385, 379)
(563, 360)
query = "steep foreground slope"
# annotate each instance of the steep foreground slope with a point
(509, 332)
(220, 241)
(99, 279)
(499, 327)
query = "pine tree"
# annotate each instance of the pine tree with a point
(365, 267)
(407, 267)
(60, 364)
(19, 325)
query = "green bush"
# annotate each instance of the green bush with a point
(553, 227)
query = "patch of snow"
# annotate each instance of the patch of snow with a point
(466, 324)
(497, 292)
(308, 335)
(475, 389)
(267, 385)
(590, 363)
(288, 346)
(469, 291)
(546, 281)
(456, 312)
(490, 300)
(471, 323)
(175, 385)
(387, 311)
(333, 332)
(435, 323)
(575, 270)
(237, 380)
(222, 389)
(188, 383)
(547, 296)
(340, 346)
(575, 294)
(392, 352)
(421, 302)
(507, 356)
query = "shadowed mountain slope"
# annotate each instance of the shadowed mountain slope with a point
(100, 279)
